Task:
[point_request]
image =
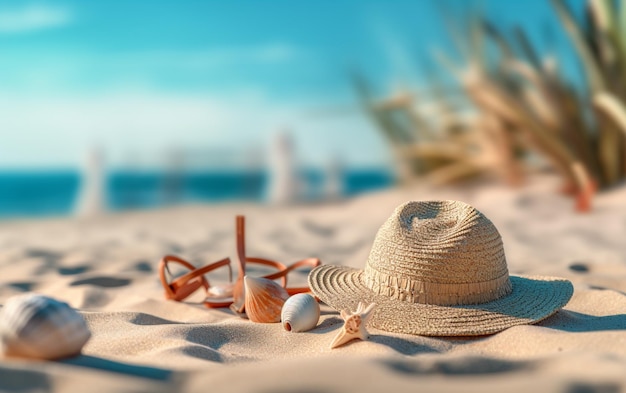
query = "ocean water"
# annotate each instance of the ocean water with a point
(40, 194)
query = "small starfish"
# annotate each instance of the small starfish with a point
(354, 325)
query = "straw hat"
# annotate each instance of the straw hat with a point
(438, 269)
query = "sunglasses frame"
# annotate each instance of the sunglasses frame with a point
(182, 287)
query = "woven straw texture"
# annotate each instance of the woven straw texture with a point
(438, 268)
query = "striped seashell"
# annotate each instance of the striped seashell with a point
(300, 313)
(39, 327)
(264, 299)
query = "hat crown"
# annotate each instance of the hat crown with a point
(439, 252)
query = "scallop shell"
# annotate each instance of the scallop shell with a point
(264, 299)
(36, 326)
(300, 313)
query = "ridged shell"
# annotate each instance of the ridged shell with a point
(264, 299)
(300, 313)
(36, 326)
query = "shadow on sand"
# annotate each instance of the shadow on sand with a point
(20, 380)
(572, 321)
(97, 363)
(465, 366)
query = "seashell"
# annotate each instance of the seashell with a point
(36, 326)
(300, 313)
(264, 299)
(354, 325)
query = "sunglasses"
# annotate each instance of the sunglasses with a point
(230, 294)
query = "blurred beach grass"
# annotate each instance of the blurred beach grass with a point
(510, 106)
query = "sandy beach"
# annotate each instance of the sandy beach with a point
(106, 267)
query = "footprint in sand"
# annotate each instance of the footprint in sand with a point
(579, 267)
(318, 229)
(103, 281)
(70, 271)
(143, 266)
(140, 265)
(94, 297)
(22, 286)
(44, 254)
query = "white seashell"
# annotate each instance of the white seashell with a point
(264, 299)
(36, 326)
(300, 313)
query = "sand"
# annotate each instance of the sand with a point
(107, 268)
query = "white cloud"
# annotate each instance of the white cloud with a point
(63, 71)
(267, 53)
(58, 130)
(32, 17)
(208, 58)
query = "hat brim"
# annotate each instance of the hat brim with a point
(532, 299)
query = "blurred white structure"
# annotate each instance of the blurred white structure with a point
(283, 184)
(174, 164)
(91, 201)
(334, 182)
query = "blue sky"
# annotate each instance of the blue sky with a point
(138, 77)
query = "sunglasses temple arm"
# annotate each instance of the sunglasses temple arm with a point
(241, 245)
